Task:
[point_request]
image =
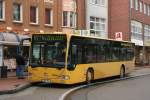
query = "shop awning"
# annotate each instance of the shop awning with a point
(12, 39)
(26, 42)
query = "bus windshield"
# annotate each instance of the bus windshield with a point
(48, 54)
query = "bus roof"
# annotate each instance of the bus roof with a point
(99, 38)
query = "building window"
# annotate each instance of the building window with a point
(48, 16)
(148, 10)
(136, 29)
(136, 4)
(2, 10)
(33, 15)
(98, 2)
(65, 18)
(102, 2)
(146, 33)
(69, 19)
(131, 3)
(72, 19)
(17, 12)
(141, 6)
(97, 26)
(145, 8)
(95, 2)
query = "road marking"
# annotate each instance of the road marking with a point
(63, 96)
(71, 90)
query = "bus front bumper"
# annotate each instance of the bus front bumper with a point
(60, 80)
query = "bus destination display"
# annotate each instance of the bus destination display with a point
(46, 37)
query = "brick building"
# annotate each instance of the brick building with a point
(34, 16)
(132, 18)
(22, 18)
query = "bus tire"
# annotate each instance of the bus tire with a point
(122, 72)
(89, 76)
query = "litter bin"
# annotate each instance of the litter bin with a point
(3, 71)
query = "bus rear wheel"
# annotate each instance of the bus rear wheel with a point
(89, 76)
(122, 72)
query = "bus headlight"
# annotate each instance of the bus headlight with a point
(65, 77)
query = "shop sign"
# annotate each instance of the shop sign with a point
(137, 42)
(118, 36)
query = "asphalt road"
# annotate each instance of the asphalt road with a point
(40, 92)
(131, 89)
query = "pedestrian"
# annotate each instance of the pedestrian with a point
(20, 61)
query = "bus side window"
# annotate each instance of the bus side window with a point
(130, 54)
(107, 47)
(123, 54)
(115, 53)
(74, 53)
(74, 49)
(100, 53)
(91, 54)
(77, 52)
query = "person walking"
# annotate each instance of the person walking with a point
(20, 61)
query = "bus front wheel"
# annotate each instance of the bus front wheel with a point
(89, 76)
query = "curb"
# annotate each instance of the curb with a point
(15, 90)
(63, 96)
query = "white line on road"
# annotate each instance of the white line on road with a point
(63, 96)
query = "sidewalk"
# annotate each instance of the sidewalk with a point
(12, 84)
(141, 71)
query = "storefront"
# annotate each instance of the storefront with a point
(147, 56)
(147, 51)
(138, 55)
(9, 48)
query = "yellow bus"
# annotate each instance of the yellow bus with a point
(70, 59)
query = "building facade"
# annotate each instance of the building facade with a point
(30, 16)
(22, 18)
(132, 19)
(97, 17)
(41, 16)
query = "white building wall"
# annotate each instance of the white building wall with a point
(98, 11)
